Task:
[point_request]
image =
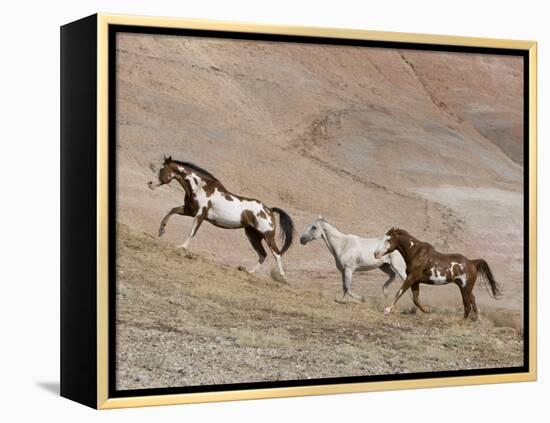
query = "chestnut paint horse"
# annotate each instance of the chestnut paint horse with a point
(207, 199)
(426, 265)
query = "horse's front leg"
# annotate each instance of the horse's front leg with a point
(175, 210)
(406, 285)
(197, 221)
(347, 275)
(415, 288)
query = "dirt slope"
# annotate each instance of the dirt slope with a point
(368, 137)
(185, 320)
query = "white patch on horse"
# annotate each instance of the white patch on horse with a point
(266, 214)
(437, 277)
(412, 243)
(461, 276)
(228, 213)
(453, 264)
(194, 181)
(386, 243)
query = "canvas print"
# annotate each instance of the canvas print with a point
(292, 211)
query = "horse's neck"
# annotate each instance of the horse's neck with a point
(404, 253)
(186, 185)
(334, 239)
(405, 249)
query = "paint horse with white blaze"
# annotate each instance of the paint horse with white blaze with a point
(207, 199)
(426, 265)
(352, 253)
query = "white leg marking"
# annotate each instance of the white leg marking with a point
(280, 265)
(191, 233)
(255, 269)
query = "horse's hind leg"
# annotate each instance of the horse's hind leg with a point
(466, 300)
(415, 288)
(270, 241)
(474, 306)
(388, 270)
(255, 239)
(176, 210)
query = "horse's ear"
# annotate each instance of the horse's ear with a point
(321, 218)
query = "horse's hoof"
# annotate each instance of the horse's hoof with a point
(161, 232)
(181, 247)
(387, 311)
(385, 291)
(363, 299)
(243, 269)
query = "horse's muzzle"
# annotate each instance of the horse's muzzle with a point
(303, 240)
(152, 185)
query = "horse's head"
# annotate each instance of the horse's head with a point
(387, 244)
(313, 231)
(165, 174)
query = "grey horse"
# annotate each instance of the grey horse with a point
(353, 253)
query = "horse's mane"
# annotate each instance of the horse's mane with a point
(403, 232)
(196, 168)
(399, 231)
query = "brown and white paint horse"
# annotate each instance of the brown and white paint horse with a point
(207, 199)
(426, 265)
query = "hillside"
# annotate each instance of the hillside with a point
(185, 320)
(368, 137)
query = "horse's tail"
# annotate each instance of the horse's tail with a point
(484, 270)
(287, 228)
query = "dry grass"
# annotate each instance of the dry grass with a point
(248, 338)
(184, 320)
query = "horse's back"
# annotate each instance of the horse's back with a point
(363, 249)
(452, 257)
